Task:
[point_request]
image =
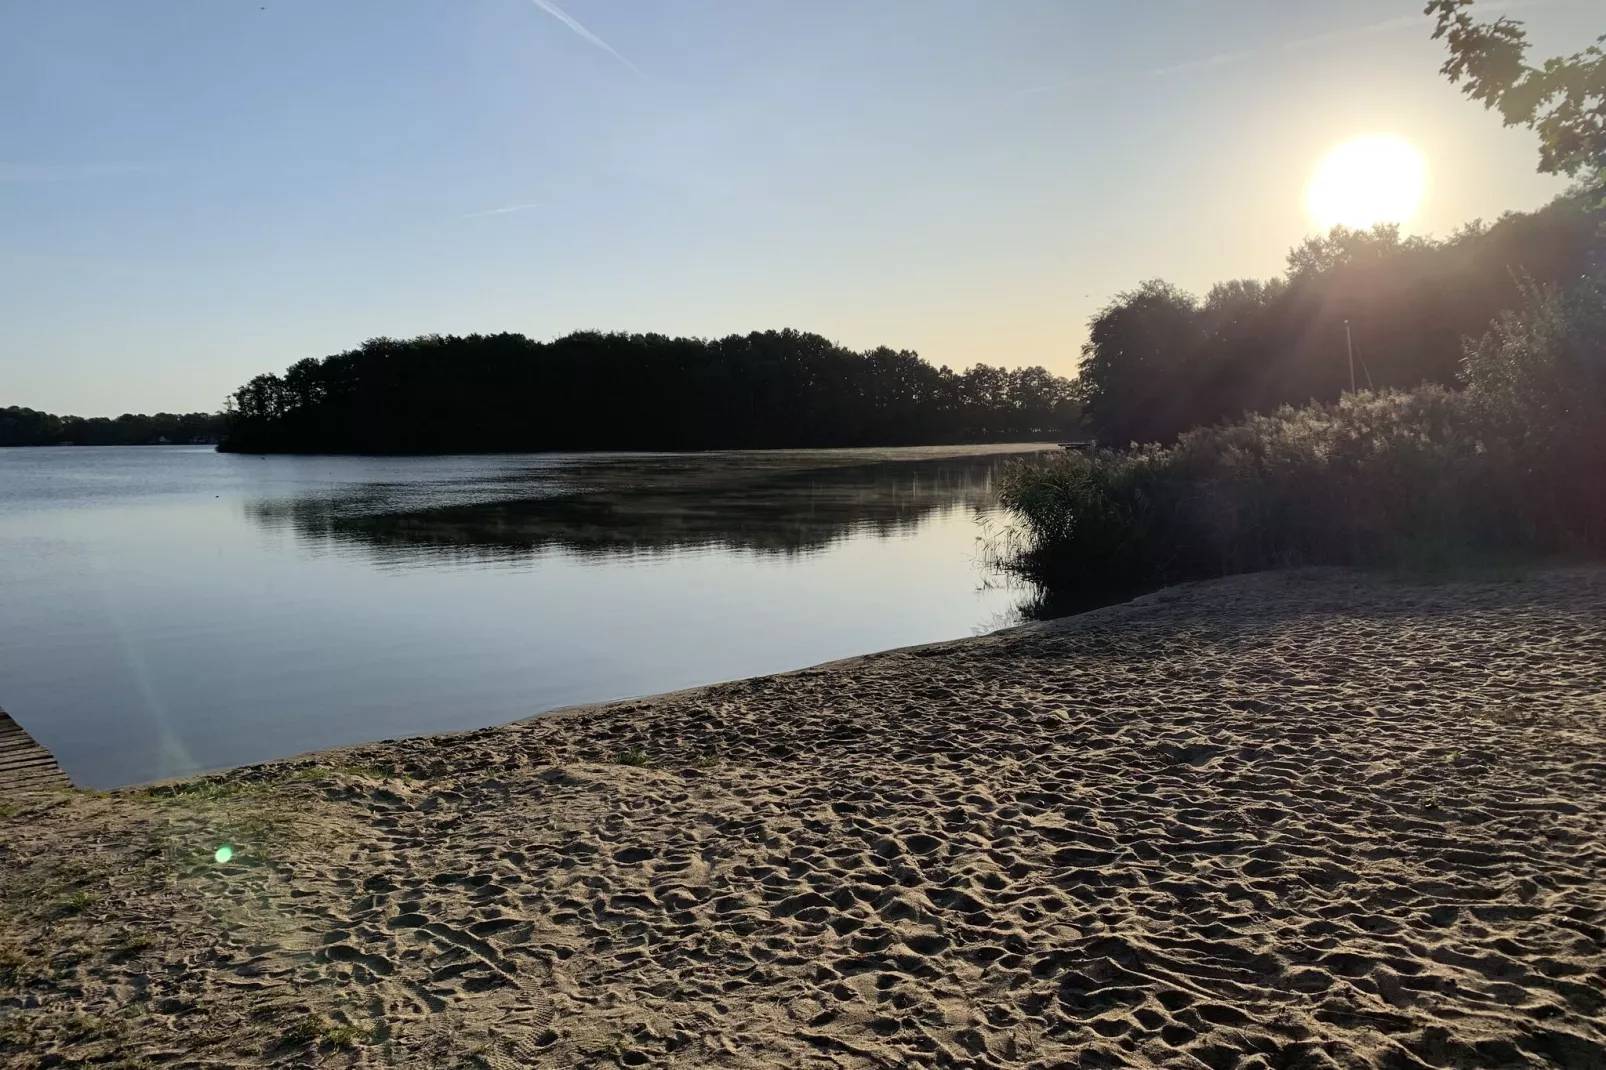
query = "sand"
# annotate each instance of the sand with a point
(1309, 819)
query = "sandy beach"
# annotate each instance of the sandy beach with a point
(1294, 820)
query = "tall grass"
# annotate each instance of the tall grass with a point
(1514, 465)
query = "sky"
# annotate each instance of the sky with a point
(196, 191)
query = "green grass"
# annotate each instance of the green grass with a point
(316, 1029)
(633, 756)
(353, 769)
(84, 1027)
(76, 903)
(8, 812)
(130, 944)
(343, 1036)
(201, 789)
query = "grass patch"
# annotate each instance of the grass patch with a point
(323, 772)
(316, 1029)
(81, 1027)
(130, 944)
(8, 812)
(633, 756)
(201, 789)
(343, 1036)
(76, 903)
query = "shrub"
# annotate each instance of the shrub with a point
(1513, 465)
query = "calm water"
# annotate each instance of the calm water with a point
(167, 610)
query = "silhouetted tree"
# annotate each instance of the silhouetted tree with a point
(591, 390)
(1159, 361)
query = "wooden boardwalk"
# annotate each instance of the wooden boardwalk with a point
(24, 764)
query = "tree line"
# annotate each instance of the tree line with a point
(1160, 360)
(594, 390)
(28, 427)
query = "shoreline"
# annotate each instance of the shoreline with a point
(692, 693)
(1311, 819)
(688, 694)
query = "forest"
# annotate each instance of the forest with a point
(27, 427)
(590, 390)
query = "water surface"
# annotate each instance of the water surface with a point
(169, 610)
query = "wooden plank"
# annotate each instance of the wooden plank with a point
(24, 764)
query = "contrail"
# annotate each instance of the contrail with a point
(1221, 59)
(502, 211)
(1330, 37)
(568, 20)
(1227, 59)
(1403, 22)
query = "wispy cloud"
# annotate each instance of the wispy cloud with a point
(1227, 59)
(67, 172)
(1220, 59)
(1328, 37)
(507, 209)
(1351, 33)
(569, 20)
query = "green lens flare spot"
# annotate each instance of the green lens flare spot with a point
(223, 854)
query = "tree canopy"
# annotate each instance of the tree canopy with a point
(1563, 100)
(1159, 360)
(590, 390)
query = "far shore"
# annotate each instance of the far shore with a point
(1310, 819)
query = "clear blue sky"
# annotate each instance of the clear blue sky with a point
(193, 191)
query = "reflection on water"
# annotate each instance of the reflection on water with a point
(778, 502)
(171, 610)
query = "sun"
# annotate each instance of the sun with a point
(1366, 181)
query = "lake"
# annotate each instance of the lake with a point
(171, 610)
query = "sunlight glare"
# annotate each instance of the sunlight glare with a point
(1366, 181)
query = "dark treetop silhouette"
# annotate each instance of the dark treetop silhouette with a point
(1160, 361)
(591, 390)
(26, 427)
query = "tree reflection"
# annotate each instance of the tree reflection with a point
(767, 503)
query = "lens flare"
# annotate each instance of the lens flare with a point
(223, 854)
(1367, 181)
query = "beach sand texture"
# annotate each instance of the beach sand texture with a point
(1294, 820)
